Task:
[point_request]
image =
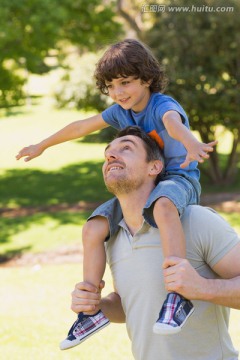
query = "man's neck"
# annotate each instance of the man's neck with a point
(132, 205)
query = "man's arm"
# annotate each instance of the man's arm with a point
(111, 306)
(87, 298)
(181, 277)
(72, 131)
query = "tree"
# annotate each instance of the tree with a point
(201, 52)
(31, 31)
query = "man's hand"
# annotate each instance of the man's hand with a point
(181, 277)
(30, 152)
(198, 152)
(86, 298)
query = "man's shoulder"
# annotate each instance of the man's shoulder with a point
(196, 217)
(198, 210)
(204, 222)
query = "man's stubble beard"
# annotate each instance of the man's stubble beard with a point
(123, 185)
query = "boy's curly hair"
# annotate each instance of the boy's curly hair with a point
(130, 58)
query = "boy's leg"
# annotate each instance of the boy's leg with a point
(176, 309)
(94, 234)
(168, 222)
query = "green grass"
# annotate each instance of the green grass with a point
(35, 316)
(71, 184)
(66, 173)
(36, 123)
(40, 232)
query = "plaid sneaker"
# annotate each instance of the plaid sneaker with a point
(173, 315)
(84, 327)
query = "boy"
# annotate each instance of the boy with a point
(133, 78)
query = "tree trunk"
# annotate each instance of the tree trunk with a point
(231, 166)
(131, 20)
(213, 172)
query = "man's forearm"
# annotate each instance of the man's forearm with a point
(225, 292)
(111, 306)
(181, 277)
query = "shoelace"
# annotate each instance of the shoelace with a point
(80, 318)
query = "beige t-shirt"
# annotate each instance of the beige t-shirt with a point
(135, 263)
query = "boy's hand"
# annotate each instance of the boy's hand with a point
(30, 152)
(198, 152)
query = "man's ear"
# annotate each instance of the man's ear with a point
(156, 167)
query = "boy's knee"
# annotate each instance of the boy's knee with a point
(94, 229)
(164, 205)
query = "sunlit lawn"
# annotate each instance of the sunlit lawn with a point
(33, 124)
(40, 232)
(35, 316)
(67, 173)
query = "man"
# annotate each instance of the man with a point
(210, 276)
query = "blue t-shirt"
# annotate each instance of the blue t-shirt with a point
(150, 120)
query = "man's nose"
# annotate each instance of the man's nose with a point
(111, 154)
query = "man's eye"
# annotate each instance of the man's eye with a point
(125, 82)
(109, 86)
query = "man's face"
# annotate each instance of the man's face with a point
(125, 168)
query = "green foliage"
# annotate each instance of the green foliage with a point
(11, 91)
(34, 31)
(201, 52)
(77, 88)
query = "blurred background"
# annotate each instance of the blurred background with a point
(48, 52)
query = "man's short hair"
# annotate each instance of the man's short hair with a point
(153, 151)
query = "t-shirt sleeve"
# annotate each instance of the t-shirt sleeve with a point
(109, 116)
(169, 105)
(211, 235)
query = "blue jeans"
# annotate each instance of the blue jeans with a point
(181, 190)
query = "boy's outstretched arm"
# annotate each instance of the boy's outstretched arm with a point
(196, 150)
(72, 131)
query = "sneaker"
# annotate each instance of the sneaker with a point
(84, 327)
(173, 315)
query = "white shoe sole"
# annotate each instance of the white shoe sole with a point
(67, 344)
(165, 329)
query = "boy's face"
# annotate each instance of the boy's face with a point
(129, 93)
